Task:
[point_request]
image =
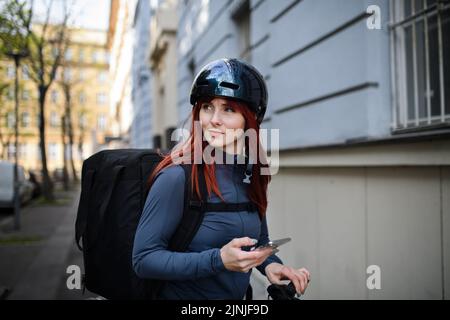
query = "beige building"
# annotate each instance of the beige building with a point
(86, 73)
(120, 46)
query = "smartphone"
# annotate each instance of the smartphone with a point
(273, 244)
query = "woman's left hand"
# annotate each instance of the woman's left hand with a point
(276, 272)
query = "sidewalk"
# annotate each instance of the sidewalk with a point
(34, 260)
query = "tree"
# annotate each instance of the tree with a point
(4, 90)
(46, 46)
(67, 84)
(15, 22)
(4, 141)
(82, 132)
(64, 144)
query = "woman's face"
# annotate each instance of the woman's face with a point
(221, 123)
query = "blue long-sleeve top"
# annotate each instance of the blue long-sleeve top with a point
(198, 273)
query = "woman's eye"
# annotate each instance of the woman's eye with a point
(229, 109)
(207, 107)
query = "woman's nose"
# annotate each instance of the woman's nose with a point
(216, 118)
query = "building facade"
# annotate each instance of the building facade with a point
(163, 61)
(120, 45)
(141, 78)
(359, 94)
(85, 72)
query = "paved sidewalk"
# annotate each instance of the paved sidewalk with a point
(34, 260)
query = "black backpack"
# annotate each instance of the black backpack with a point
(113, 193)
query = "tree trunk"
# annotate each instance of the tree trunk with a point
(63, 139)
(47, 183)
(80, 144)
(4, 146)
(70, 134)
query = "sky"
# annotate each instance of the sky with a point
(93, 14)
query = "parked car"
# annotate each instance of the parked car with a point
(7, 185)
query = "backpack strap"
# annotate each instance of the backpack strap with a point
(186, 230)
(115, 174)
(194, 210)
(80, 224)
(223, 206)
(192, 216)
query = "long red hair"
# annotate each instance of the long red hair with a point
(257, 191)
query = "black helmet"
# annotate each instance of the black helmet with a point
(232, 78)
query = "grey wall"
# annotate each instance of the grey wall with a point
(317, 78)
(343, 220)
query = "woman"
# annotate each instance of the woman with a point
(229, 97)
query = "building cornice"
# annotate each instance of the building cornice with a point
(431, 150)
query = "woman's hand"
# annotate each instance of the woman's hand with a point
(235, 259)
(276, 272)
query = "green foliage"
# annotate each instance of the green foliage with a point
(15, 21)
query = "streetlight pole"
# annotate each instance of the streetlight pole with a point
(16, 146)
(16, 56)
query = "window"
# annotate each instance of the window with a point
(55, 52)
(94, 56)
(82, 98)
(241, 17)
(10, 72)
(82, 120)
(68, 55)
(54, 96)
(101, 98)
(67, 75)
(81, 75)
(26, 119)
(102, 76)
(107, 57)
(191, 67)
(10, 120)
(25, 95)
(101, 122)
(22, 150)
(53, 119)
(11, 150)
(53, 151)
(81, 55)
(25, 72)
(421, 64)
(10, 93)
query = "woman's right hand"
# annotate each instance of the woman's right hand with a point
(235, 259)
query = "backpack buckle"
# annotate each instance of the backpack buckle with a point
(196, 204)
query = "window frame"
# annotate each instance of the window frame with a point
(400, 104)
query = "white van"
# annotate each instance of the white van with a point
(7, 185)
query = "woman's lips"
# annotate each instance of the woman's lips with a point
(215, 133)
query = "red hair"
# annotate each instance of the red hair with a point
(257, 191)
